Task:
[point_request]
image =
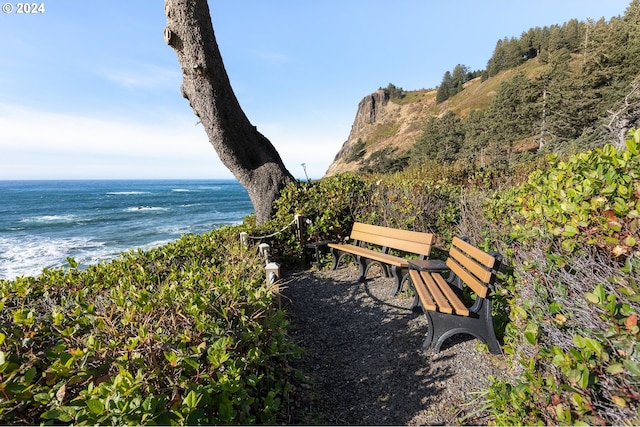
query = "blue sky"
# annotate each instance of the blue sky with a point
(89, 89)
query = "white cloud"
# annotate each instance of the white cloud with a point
(41, 144)
(36, 144)
(273, 57)
(140, 75)
(296, 146)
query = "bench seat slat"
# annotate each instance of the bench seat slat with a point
(425, 298)
(371, 254)
(454, 301)
(440, 300)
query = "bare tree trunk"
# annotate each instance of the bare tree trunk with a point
(242, 149)
(627, 115)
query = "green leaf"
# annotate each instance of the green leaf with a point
(56, 414)
(148, 403)
(632, 367)
(630, 241)
(615, 368)
(95, 406)
(72, 262)
(632, 145)
(531, 333)
(30, 375)
(171, 356)
(588, 344)
(569, 245)
(593, 298)
(570, 230)
(191, 400)
(597, 296)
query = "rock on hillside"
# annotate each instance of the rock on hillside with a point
(383, 122)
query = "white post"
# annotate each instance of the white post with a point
(273, 272)
(263, 250)
(244, 239)
(300, 228)
(273, 276)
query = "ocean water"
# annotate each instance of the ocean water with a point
(44, 222)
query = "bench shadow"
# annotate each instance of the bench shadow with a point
(363, 352)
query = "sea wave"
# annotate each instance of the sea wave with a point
(145, 208)
(185, 190)
(215, 187)
(28, 255)
(95, 221)
(126, 193)
(50, 219)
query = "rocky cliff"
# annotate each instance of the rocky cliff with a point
(383, 122)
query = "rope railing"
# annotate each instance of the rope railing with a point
(297, 221)
(274, 234)
(273, 268)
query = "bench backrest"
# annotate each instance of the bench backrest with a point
(473, 266)
(403, 240)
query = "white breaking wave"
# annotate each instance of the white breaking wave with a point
(29, 255)
(183, 190)
(126, 193)
(145, 208)
(50, 219)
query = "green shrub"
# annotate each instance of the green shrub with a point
(330, 205)
(413, 204)
(571, 236)
(182, 334)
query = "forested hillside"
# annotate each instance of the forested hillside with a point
(560, 89)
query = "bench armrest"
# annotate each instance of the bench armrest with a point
(428, 265)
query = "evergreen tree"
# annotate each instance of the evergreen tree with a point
(476, 138)
(559, 122)
(394, 92)
(496, 62)
(458, 78)
(440, 140)
(443, 90)
(513, 114)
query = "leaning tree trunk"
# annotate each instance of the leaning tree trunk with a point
(242, 149)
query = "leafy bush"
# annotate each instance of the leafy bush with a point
(331, 205)
(571, 233)
(413, 204)
(183, 334)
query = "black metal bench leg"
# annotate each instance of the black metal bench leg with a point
(416, 306)
(429, 337)
(336, 258)
(397, 280)
(362, 262)
(443, 326)
(491, 339)
(385, 271)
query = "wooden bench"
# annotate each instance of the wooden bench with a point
(372, 244)
(442, 301)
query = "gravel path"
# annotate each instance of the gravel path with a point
(364, 360)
